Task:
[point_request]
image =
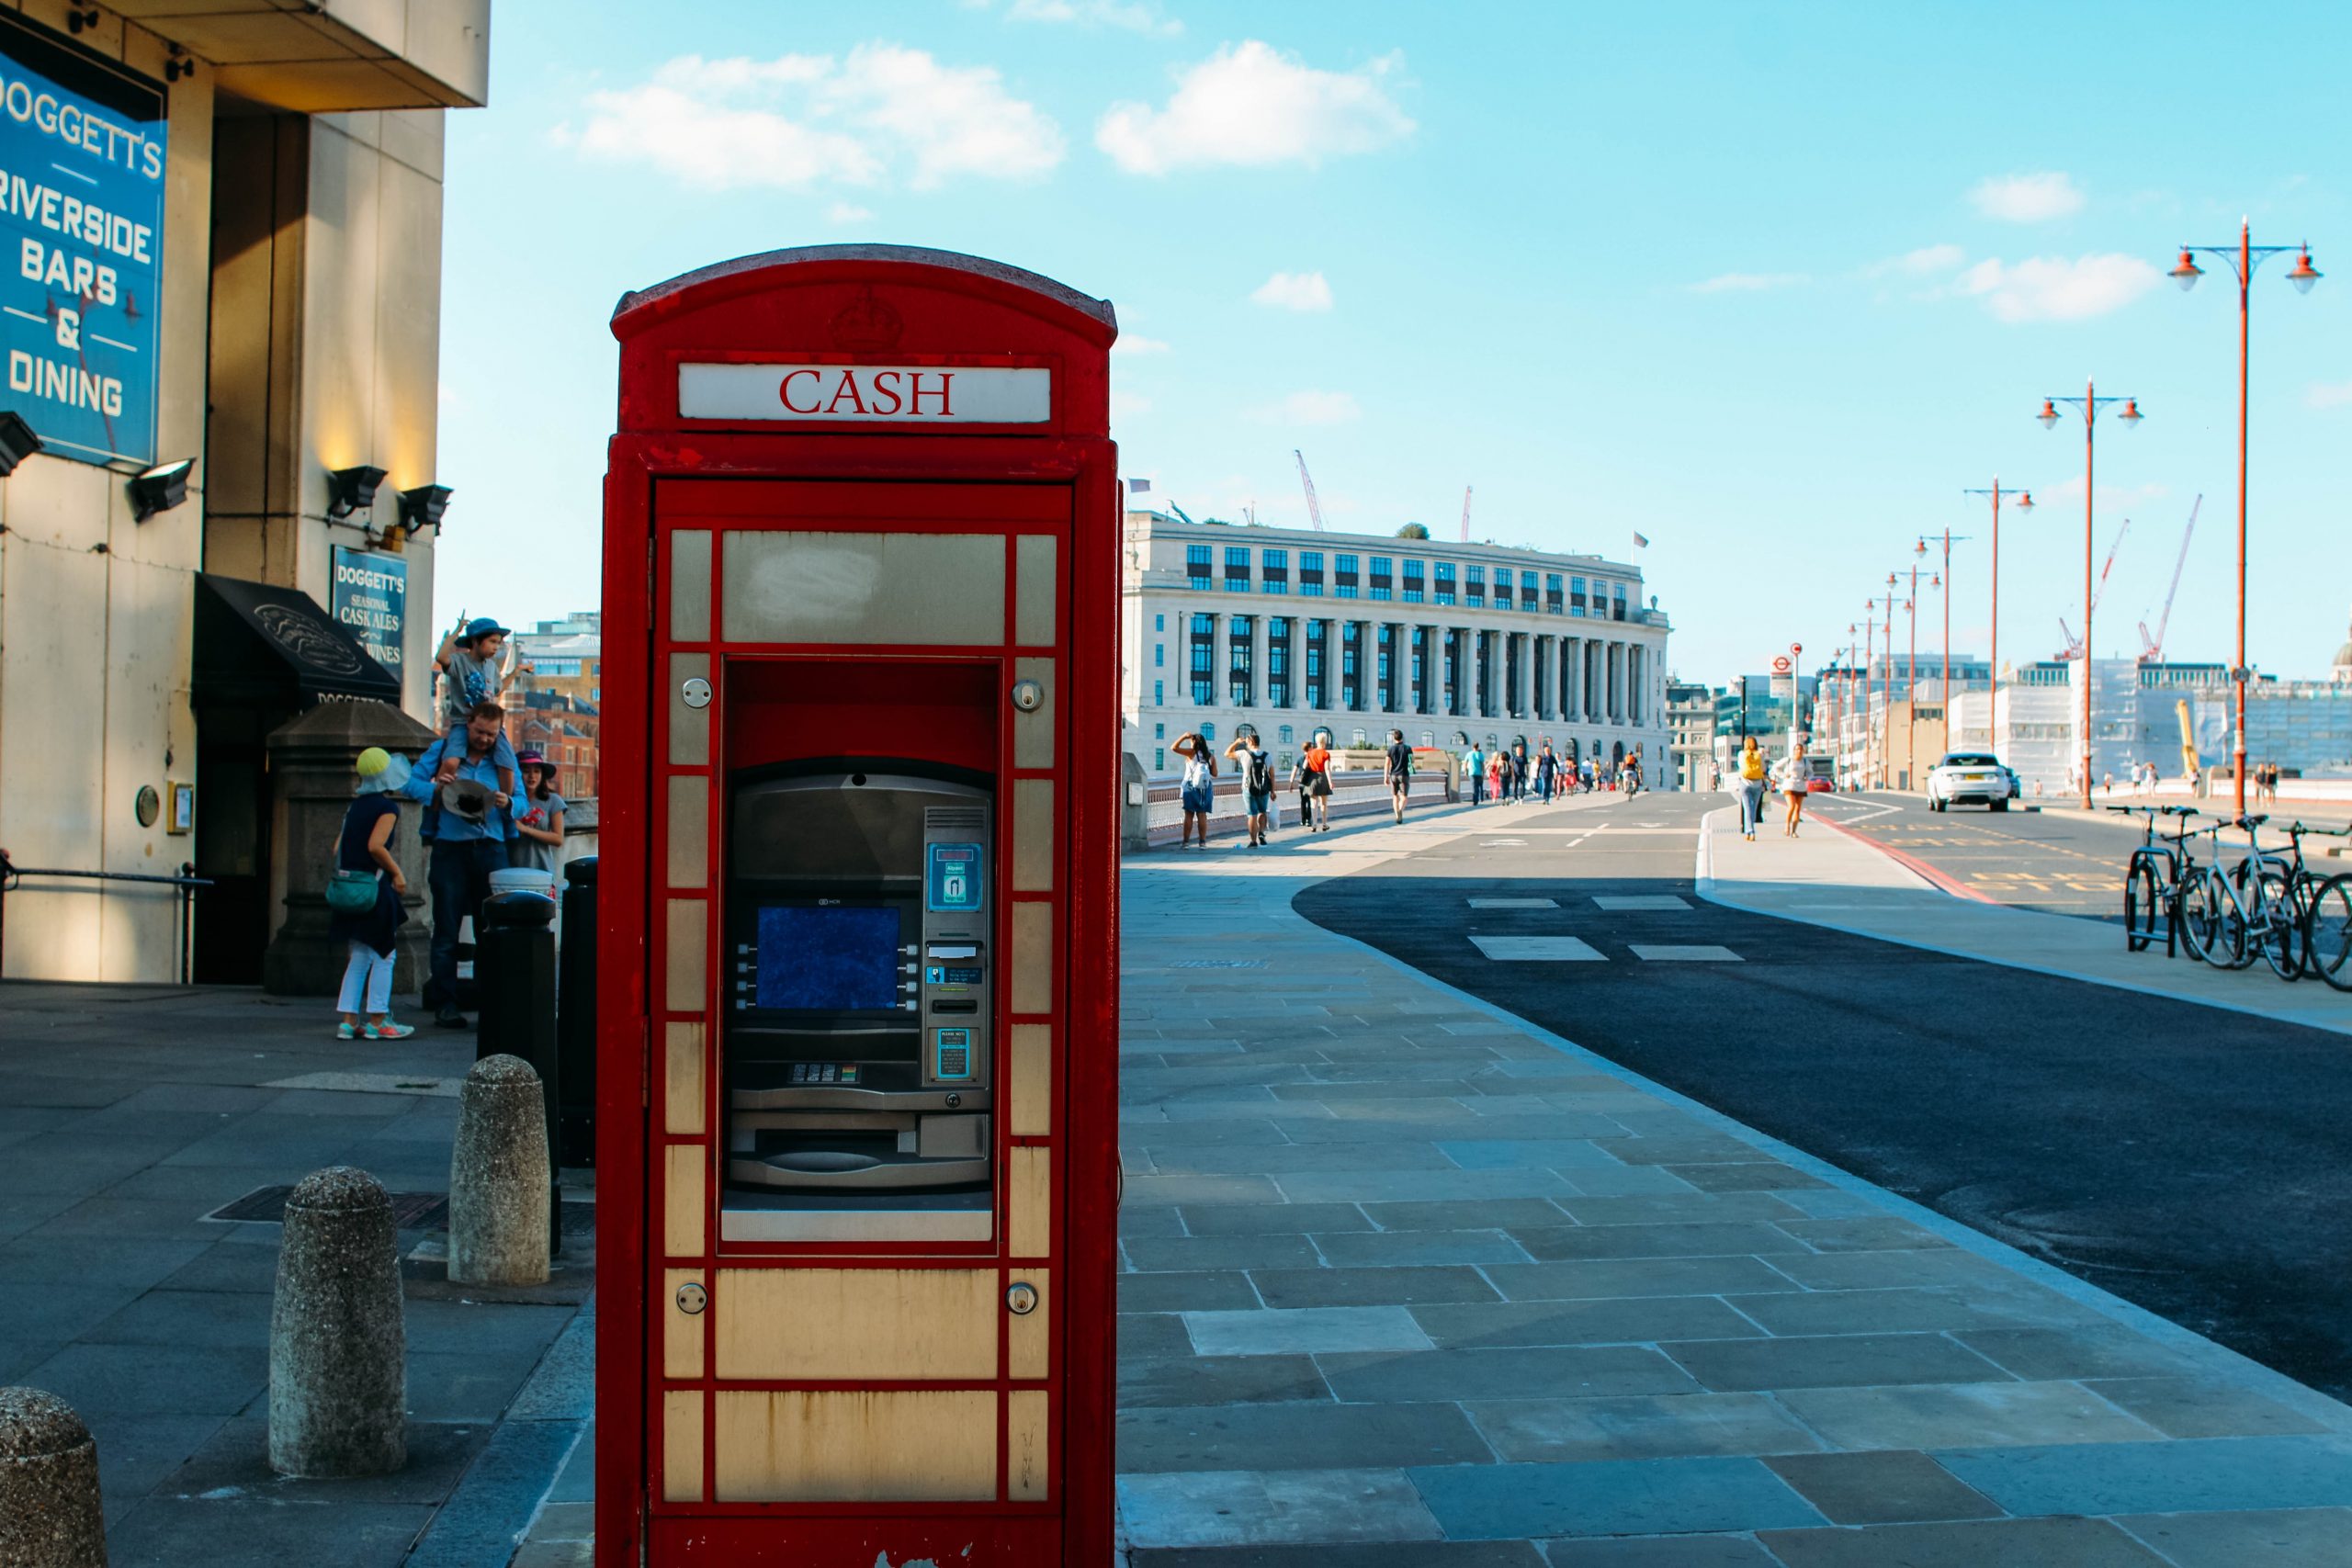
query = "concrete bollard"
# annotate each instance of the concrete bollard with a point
(499, 1188)
(338, 1347)
(48, 1484)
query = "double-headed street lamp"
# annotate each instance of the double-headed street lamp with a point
(1910, 671)
(2243, 257)
(1943, 581)
(1992, 686)
(2090, 402)
(1871, 739)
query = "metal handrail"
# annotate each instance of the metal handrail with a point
(186, 881)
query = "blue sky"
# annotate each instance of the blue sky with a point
(1770, 284)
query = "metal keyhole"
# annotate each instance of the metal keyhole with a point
(1028, 695)
(696, 693)
(1021, 1299)
(691, 1299)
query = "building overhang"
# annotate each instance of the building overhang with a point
(332, 56)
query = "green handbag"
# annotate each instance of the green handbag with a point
(352, 892)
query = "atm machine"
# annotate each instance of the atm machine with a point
(856, 1039)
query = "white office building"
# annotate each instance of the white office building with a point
(1292, 631)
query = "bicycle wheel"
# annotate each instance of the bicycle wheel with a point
(2328, 932)
(2276, 927)
(2141, 904)
(2201, 898)
(2212, 925)
(2235, 949)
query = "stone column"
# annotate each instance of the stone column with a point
(311, 777)
(1261, 663)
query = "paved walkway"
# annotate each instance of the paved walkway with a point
(128, 1114)
(1411, 1281)
(1829, 877)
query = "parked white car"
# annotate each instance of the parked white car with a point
(1970, 776)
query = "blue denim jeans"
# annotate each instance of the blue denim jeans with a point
(457, 874)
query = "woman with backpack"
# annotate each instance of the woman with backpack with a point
(1199, 786)
(1257, 783)
(1752, 773)
(364, 899)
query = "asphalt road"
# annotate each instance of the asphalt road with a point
(2195, 1161)
(2058, 861)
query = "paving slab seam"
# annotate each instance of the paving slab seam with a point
(1710, 887)
(2286, 1390)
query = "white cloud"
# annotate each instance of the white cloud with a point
(2028, 198)
(1747, 282)
(1294, 292)
(1127, 404)
(1311, 408)
(2053, 289)
(1924, 262)
(2329, 394)
(884, 112)
(847, 212)
(1131, 343)
(1253, 106)
(1135, 17)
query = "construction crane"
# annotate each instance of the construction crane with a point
(2153, 647)
(2074, 648)
(1465, 514)
(2191, 765)
(1307, 482)
(1180, 514)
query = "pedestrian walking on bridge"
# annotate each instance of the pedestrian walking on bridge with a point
(1400, 771)
(1751, 787)
(1794, 776)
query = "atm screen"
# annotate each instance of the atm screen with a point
(828, 958)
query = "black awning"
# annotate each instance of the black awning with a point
(258, 643)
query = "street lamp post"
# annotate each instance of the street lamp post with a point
(2090, 402)
(2243, 257)
(1993, 685)
(1910, 674)
(1872, 740)
(1943, 584)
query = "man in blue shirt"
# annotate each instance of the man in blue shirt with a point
(468, 826)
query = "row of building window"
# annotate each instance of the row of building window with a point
(1553, 591)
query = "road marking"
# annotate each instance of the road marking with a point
(1694, 953)
(1638, 902)
(1537, 950)
(1514, 903)
(1502, 844)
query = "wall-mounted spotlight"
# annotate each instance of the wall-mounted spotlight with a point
(351, 490)
(160, 489)
(421, 505)
(178, 65)
(79, 21)
(17, 442)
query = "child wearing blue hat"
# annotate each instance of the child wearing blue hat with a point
(472, 661)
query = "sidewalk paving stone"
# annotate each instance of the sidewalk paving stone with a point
(2196, 1475)
(1567, 1370)
(2293, 1538)
(2076, 1543)
(1404, 1285)
(1609, 1497)
(1888, 1488)
(1314, 1331)
(1671, 1426)
(1296, 1436)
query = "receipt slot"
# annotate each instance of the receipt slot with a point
(858, 1027)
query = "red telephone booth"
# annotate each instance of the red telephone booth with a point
(857, 1038)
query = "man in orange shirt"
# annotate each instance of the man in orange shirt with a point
(1315, 769)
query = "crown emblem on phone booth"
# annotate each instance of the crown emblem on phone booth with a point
(867, 325)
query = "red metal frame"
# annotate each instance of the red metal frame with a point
(858, 305)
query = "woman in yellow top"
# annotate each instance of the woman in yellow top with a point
(1751, 787)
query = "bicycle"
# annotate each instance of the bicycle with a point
(2198, 901)
(2327, 920)
(2257, 903)
(2152, 880)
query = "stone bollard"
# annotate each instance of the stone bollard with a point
(499, 1188)
(338, 1347)
(48, 1484)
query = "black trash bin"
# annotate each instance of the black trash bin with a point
(515, 971)
(576, 1019)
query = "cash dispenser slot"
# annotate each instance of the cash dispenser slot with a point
(857, 1044)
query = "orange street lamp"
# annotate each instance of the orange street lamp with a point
(2243, 257)
(2024, 504)
(1910, 672)
(2090, 402)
